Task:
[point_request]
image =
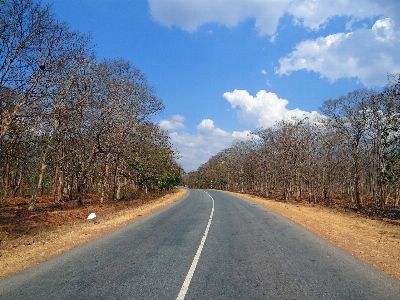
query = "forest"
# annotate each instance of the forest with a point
(349, 155)
(71, 125)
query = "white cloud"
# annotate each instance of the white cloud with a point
(384, 30)
(241, 135)
(312, 14)
(206, 127)
(368, 54)
(364, 52)
(264, 109)
(176, 122)
(190, 14)
(209, 140)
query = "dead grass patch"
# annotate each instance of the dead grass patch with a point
(44, 234)
(376, 242)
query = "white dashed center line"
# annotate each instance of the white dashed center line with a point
(189, 275)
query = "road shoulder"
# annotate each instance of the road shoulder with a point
(373, 241)
(52, 243)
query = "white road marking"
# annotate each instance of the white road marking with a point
(189, 275)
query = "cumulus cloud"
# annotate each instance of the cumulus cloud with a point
(264, 109)
(190, 14)
(196, 149)
(368, 54)
(364, 53)
(176, 122)
(207, 127)
(312, 14)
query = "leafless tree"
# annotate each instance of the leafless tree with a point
(349, 115)
(353, 150)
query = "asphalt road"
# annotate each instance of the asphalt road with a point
(209, 245)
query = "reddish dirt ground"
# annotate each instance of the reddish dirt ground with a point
(28, 238)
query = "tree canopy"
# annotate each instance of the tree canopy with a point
(70, 124)
(351, 152)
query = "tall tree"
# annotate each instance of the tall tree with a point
(349, 115)
(32, 46)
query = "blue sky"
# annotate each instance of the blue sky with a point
(225, 67)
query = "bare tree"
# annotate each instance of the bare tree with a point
(349, 115)
(66, 120)
(32, 45)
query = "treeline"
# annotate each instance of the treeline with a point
(351, 152)
(71, 125)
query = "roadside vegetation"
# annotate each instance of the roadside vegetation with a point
(28, 238)
(70, 125)
(348, 158)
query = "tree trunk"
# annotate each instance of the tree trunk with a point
(18, 184)
(116, 179)
(60, 186)
(42, 167)
(118, 192)
(81, 178)
(300, 192)
(80, 181)
(55, 183)
(105, 176)
(61, 178)
(357, 179)
(39, 184)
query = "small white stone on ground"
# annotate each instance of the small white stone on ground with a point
(91, 216)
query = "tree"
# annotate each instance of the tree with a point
(349, 115)
(69, 124)
(33, 45)
(387, 110)
(61, 100)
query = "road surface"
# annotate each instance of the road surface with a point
(209, 245)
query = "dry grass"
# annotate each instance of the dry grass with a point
(33, 248)
(374, 241)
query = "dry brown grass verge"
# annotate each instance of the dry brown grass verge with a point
(374, 241)
(33, 248)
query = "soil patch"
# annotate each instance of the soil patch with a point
(29, 238)
(376, 242)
